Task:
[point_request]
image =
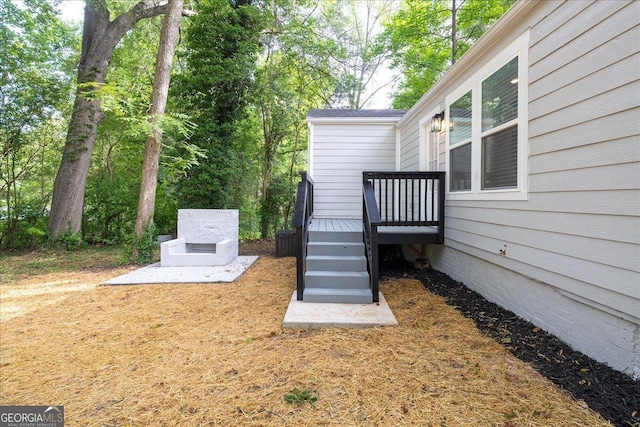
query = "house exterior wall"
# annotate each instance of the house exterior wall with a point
(340, 151)
(572, 264)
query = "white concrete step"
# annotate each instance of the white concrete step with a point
(335, 248)
(337, 279)
(347, 296)
(313, 316)
(336, 263)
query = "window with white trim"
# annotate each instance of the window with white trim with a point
(500, 128)
(487, 130)
(460, 120)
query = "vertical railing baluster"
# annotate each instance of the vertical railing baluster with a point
(413, 198)
(412, 201)
(394, 197)
(421, 198)
(408, 201)
(433, 200)
(386, 192)
(393, 187)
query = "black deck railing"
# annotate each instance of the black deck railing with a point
(410, 207)
(409, 199)
(370, 222)
(302, 216)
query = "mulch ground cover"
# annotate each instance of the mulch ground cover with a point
(203, 354)
(614, 395)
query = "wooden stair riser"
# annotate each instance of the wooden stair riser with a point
(337, 279)
(336, 248)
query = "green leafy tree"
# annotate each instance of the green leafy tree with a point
(113, 180)
(426, 38)
(112, 184)
(221, 47)
(35, 61)
(350, 28)
(164, 62)
(275, 98)
(100, 37)
(293, 75)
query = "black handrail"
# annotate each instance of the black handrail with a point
(371, 220)
(302, 216)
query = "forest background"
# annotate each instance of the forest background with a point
(234, 134)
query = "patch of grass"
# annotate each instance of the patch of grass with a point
(300, 397)
(146, 245)
(70, 241)
(19, 265)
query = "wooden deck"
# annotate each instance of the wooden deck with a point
(397, 208)
(387, 234)
(335, 224)
(427, 229)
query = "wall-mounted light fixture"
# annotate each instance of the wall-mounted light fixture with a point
(436, 122)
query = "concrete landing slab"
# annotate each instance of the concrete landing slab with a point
(155, 274)
(315, 315)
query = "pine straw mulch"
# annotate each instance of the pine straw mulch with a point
(217, 355)
(613, 394)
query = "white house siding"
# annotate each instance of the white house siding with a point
(410, 147)
(341, 152)
(573, 246)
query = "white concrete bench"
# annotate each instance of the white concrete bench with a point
(178, 253)
(206, 237)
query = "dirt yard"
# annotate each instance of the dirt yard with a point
(216, 354)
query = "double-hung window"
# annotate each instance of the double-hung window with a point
(460, 123)
(486, 120)
(499, 165)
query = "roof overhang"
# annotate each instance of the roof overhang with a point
(354, 120)
(353, 116)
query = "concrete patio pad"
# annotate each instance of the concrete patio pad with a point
(155, 274)
(315, 315)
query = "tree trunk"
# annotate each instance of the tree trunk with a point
(168, 40)
(69, 186)
(99, 38)
(454, 31)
